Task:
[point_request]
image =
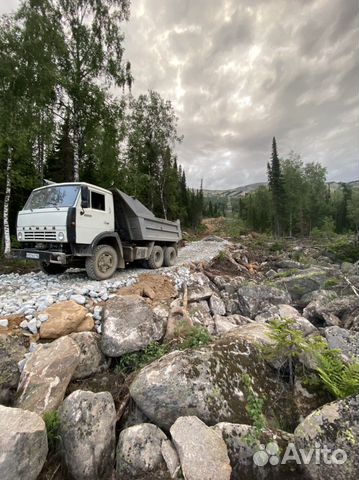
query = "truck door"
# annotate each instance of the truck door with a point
(95, 219)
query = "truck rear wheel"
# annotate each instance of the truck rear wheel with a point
(52, 268)
(156, 258)
(103, 263)
(170, 256)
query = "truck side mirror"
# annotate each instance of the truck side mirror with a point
(85, 197)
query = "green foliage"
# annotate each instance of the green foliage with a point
(52, 423)
(133, 361)
(195, 337)
(254, 408)
(289, 343)
(344, 249)
(234, 227)
(338, 377)
(222, 256)
(277, 247)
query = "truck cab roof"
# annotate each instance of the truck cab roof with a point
(62, 184)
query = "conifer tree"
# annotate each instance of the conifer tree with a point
(276, 186)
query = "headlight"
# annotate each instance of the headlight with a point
(19, 235)
(61, 236)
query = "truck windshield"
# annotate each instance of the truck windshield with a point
(53, 196)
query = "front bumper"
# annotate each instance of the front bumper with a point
(41, 255)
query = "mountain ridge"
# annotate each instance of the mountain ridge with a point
(244, 189)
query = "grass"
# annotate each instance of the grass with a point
(52, 423)
(185, 337)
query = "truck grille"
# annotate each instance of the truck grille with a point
(39, 235)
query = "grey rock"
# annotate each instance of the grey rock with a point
(4, 323)
(254, 299)
(142, 452)
(333, 426)
(129, 325)
(243, 442)
(217, 305)
(92, 360)
(289, 264)
(282, 312)
(208, 382)
(12, 351)
(200, 315)
(23, 444)
(304, 282)
(345, 340)
(339, 311)
(199, 289)
(224, 325)
(32, 326)
(80, 299)
(87, 429)
(202, 452)
(46, 375)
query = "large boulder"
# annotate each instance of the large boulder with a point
(346, 340)
(248, 460)
(92, 360)
(144, 451)
(282, 312)
(200, 288)
(65, 318)
(336, 312)
(202, 452)
(129, 325)
(303, 282)
(224, 325)
(254, 299)
(333, 431)
(209, 382)
(87, 429)
(46, 375)
(12, 351)
(23, 444)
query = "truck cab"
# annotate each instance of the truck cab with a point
(83, 225)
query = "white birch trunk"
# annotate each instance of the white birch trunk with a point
(76, 160)
(7, 248)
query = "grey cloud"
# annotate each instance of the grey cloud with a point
(240, 71)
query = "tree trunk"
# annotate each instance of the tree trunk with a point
(76, 157)
(7, 240)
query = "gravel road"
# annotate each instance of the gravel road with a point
(31, 293)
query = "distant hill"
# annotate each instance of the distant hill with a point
(243, 190)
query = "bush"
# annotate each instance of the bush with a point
(345, 249)
(52, 423)
(129, 362)
(254, 408)
(332, 374)
(195, 337)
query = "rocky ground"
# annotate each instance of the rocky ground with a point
(160, 375)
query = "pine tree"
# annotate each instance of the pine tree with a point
(275, 181)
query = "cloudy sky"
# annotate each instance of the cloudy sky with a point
(240, 71)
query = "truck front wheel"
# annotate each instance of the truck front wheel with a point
(156, 258)
(170, 256)
(103, 263)
(52, 268)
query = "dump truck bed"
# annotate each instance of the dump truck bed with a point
(134, 222)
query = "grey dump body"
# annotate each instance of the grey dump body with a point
(134, 222)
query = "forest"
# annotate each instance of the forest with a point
(296, 201)
(60, 63)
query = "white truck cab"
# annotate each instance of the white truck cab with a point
(79, 224)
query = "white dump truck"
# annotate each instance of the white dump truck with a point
(66, 225)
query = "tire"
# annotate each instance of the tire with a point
(52, 268)
(170, 257)
(102, 264)
(156, 258)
